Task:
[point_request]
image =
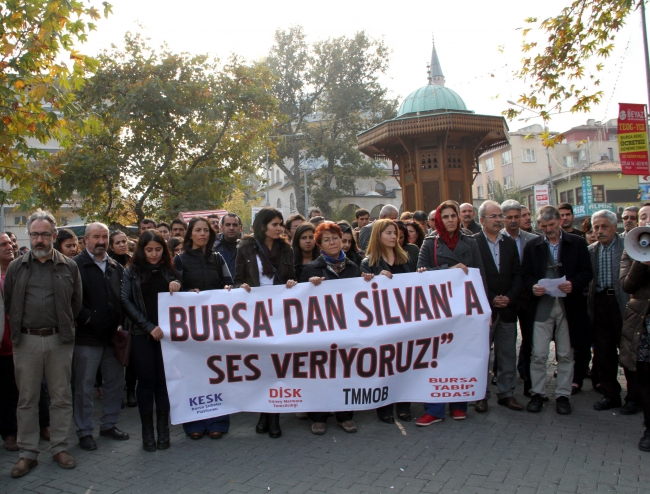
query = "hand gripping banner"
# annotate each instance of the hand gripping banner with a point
(344, 345)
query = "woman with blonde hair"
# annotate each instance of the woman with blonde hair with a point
(385, 257)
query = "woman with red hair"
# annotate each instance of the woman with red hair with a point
(331, 264)
(448, 248)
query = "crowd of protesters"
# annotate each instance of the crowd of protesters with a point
(67, 301)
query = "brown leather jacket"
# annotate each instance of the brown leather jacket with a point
(635, 280)
(246, 270)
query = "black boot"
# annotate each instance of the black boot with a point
(644, 443)
(262, 424)
(274, 425)
(131, 400)
(163, 428)
(148, 438)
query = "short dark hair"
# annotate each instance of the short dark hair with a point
(213, 215)
(634, 209)
(292, 218)
(361, 212)
(316, 220)
(187, 241)
(179, 221)
(149, 221)
(565, 205)
(232, 215)
(165, 224)
(420, 216)
(316, 210)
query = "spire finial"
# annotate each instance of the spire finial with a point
(435, 70)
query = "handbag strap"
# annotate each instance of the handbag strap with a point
(275, 272)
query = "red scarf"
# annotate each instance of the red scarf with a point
(451, 242)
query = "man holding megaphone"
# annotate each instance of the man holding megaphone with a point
(634, 353)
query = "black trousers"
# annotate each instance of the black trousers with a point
(323, 416)
(146, 354)
(387, 410)
(643, 373)
(526, 323)
(130, 377)
(8, 397)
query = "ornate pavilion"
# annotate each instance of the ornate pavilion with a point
(434, 143)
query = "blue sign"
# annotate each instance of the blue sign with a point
(587, 190)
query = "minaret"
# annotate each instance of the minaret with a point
(435, 70)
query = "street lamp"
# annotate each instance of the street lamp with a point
(548, 154)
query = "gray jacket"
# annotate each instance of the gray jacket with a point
(621, 297)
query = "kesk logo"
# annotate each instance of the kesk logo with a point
(210, 399)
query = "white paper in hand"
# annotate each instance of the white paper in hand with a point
(551, 286)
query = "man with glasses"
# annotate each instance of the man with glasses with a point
(503, 279)
(630, 218)
(43, 297)
(552, 255)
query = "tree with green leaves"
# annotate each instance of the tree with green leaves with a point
(327, 92)
(166, 132)
(37, 84)
(564, 67)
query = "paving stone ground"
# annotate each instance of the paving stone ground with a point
(501, 451)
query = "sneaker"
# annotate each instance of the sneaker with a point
(426, 420)
(348, 426)
(458, 415)
(318, 428)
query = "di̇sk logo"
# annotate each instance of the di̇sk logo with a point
(285, 393)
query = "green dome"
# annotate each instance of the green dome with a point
(431, 98)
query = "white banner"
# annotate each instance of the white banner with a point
(344, 345)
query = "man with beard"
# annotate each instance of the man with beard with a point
(467, 215)
(43, 296)
(227, 240)
(101, 314)
(179, 227)
(567, 217)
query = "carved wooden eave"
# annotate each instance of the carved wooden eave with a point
(384, 139)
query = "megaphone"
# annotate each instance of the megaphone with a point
(637, 243)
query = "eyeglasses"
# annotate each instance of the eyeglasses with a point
(43, 235)
(494, 216)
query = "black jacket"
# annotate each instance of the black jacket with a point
(435, 254)
(203, 270)
(504, 281)
(229, 255)
(474, 227)
(576, 266)
(247, 270)
(101, 311)
(319, 268)
(133, 303)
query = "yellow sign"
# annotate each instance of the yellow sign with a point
(629, 143)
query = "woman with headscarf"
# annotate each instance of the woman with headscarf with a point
(263, 259)
(448, 248)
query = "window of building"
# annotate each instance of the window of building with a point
(563, 197)
(380, 188)
(599, 193)
(531, 202)
(490, 188)
(507, 182)
(489, 164)
(622, 195)
(582, 155)
(479, 167)
(506, 158)
(20, 220)
(613, 137)
(480, 192)
(569, 161)
(569, 196)
(579, 199)
(279, 205)
(277, 176)
(528, 156)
